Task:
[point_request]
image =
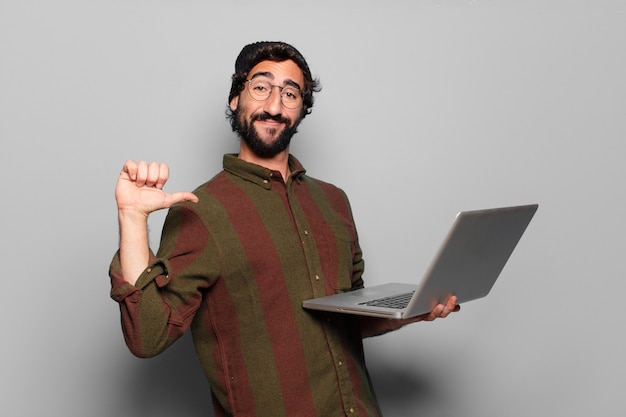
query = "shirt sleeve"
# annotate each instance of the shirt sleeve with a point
(370, 326)
(159, 308)
(358, 266)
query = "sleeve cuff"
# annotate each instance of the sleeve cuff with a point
(157, 271)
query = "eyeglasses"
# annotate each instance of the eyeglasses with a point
(261, 90)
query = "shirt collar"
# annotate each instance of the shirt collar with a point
(258, 174)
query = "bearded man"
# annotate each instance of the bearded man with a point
(239, 255)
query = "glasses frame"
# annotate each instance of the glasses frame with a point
(272, 86)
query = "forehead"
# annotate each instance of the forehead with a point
(279, 72)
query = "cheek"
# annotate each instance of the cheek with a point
(247, 110)
(296, 118)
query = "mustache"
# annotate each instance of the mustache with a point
(266, 116)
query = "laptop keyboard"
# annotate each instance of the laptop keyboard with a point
(399, 301)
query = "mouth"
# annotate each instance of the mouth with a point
(269, 120)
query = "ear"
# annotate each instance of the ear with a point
(234, 103)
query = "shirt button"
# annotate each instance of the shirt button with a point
(351, 410)
(149, 270)
(340, 363)
(317, 277)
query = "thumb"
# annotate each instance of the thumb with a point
(181, 196)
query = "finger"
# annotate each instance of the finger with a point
(164, 173)
(445, 312)
(448, 307)
(142, 173)
(152, 176)
(435, 313)
(451, 306)
(452, 300)
(130, 168)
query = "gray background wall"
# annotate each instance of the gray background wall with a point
(433, 106)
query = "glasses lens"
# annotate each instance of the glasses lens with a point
(260, 90)
(291, 97)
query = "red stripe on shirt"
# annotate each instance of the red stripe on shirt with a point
(289, 357)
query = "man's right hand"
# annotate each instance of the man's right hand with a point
(138, 193)
(139, 189)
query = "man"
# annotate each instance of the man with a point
(239, 255)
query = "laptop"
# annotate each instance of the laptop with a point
(470, 259)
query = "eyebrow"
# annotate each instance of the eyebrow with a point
(268, 74)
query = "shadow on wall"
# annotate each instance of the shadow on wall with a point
(401, 392)
(171, 384)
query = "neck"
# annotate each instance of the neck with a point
(278, 162)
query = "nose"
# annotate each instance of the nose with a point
(274, 105)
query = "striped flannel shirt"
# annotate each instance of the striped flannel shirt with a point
(235, 268)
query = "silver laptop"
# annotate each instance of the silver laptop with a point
(467, 265)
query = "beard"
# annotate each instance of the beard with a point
(249, 134)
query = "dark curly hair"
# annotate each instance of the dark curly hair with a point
(257, 52)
